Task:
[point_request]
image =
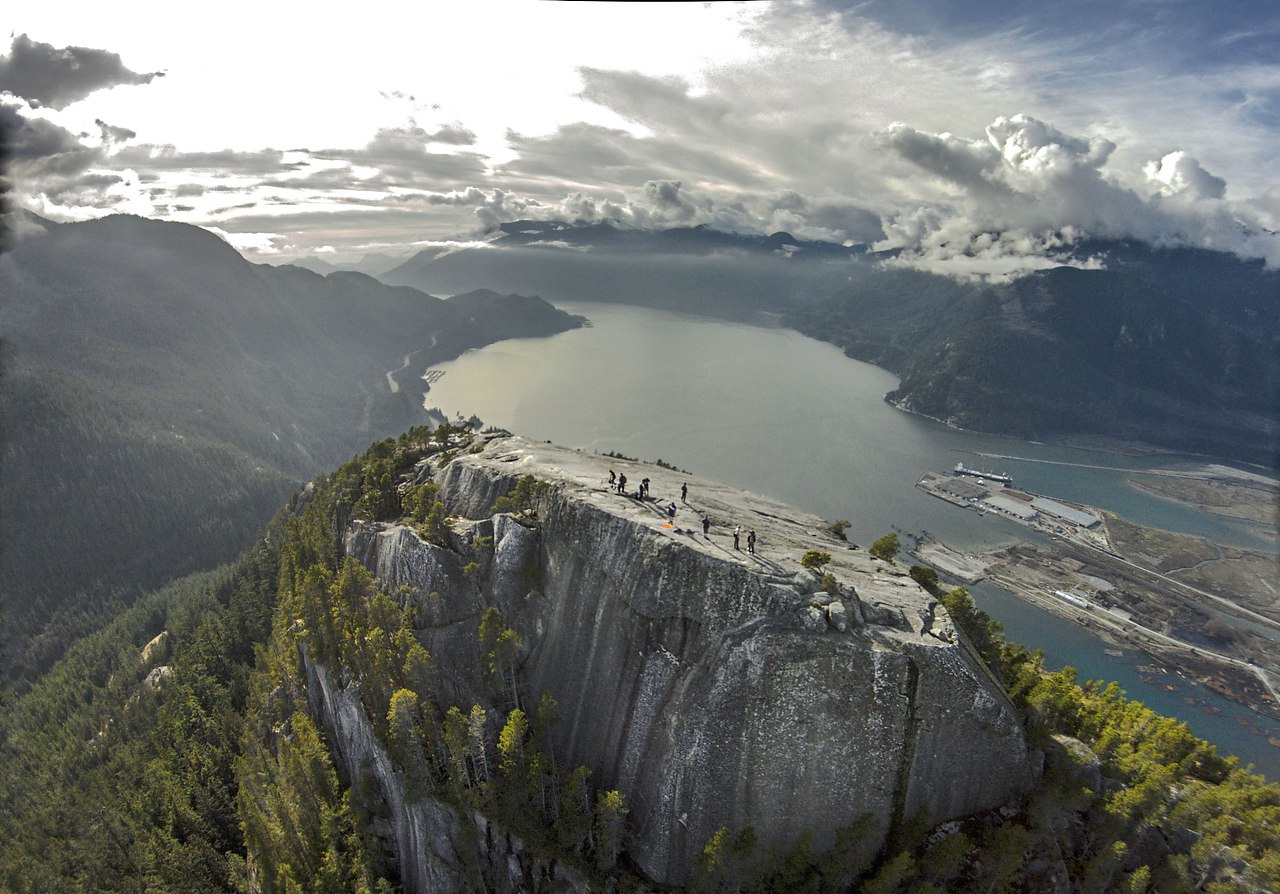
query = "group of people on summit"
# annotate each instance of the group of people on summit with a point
(618, 482)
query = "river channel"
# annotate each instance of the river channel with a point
(772, 411)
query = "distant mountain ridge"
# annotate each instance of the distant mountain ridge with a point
(1173, 347)
(688, 268)
(370, 264)
(163, 395)
(1170, 347)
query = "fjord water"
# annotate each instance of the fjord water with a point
(775, 412)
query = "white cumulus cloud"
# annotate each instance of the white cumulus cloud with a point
(1016, 201)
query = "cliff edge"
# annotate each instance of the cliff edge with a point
(713, 687)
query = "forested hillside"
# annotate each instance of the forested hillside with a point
(692, 269)
(1170, 347)
(162, 396)
(175, 750)
(1173, 347)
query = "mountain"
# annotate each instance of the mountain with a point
(695, 269)
(1171, 347)
(163, 395)
(370, 264)
(683, 669)
(461, 662)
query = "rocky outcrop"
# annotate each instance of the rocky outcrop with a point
(714, 688)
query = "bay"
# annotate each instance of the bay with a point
(775, 412)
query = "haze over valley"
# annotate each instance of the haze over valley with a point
(322, 343)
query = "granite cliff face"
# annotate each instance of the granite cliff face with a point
(712, 687)
(438, 847)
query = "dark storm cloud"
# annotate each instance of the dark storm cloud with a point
(46, 75)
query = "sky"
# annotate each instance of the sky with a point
(979, 138)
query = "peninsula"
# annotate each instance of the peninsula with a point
(1213, 612)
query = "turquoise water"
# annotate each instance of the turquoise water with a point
(772, 411)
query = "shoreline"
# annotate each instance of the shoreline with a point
(1127, 605)
(1092, 443)
(1233, 679)
(1262, 511)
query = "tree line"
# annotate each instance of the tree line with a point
(174, 749)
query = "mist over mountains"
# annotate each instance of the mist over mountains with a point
(695, 269)
(452, 660)
(1173, 347)
(155, 378)
(163, 396)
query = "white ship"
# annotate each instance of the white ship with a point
(997, 477)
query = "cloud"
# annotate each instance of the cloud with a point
(1039, 150)
(826, 125)
(39, 148)
(87, 191)
(966, 163)
(665, 201)
(663, 104)
(559, 245)
(112, 134)
(401, 157)
(167, 157)
(1018, 200)
(453, 135)
(1178, 174)
(250, 244)
(661, 204)
(45, 75)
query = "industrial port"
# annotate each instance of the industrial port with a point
(1100, 575)
(994, 492)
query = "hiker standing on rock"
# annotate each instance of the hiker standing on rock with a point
(751, 542)
(684, 493)
(706, 526)
(671, 512)
(622, 483)
(613, 480)
(737, 532)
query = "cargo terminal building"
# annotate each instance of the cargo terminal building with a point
(1076, 517)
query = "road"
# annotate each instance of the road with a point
(1165, 473)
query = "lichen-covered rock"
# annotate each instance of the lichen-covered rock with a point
(1075, 762)
(838, 616)
(701, 681)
